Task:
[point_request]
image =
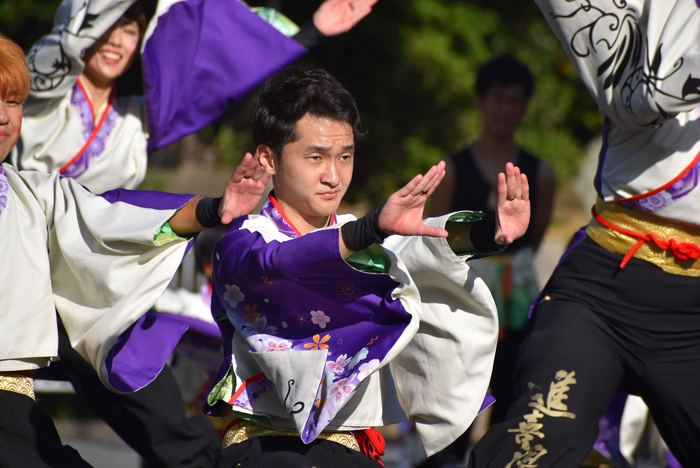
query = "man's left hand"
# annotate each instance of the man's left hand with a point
(335, 17)
(513, 212)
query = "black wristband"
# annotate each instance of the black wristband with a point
(309, 36)
(207, 212)
(360, 234)
(483, 234)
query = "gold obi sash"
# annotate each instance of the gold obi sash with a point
(18, 382)
(240, 430)
(670, 245)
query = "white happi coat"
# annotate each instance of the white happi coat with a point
(640, 60)
(436, 371)
(93, 261)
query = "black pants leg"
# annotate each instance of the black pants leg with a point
(567, 374)
(28, 437)
(151, 420)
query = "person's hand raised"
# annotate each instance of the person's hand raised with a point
(513, 212)
(403, 211)
(243, 190)
(335, 17)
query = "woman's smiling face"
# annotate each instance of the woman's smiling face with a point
(113, 53)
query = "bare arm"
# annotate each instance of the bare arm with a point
(542, 211)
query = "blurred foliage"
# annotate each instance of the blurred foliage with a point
(411, 66)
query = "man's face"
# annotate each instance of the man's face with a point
(315, 171)
(10, 124)
(502, 107)
(113, 53)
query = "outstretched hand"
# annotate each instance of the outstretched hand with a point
(403, 211)
(243, 190)
(513, 212)
(335, 17)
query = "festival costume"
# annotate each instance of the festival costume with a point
(310, 338)
(189, 80)
(621, 307)
(510, 276)
(101, 262)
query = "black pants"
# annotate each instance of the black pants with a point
(152, 420)
(28, 437)
(291, 452)
(602, 328)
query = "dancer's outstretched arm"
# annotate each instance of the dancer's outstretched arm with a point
(241, 195)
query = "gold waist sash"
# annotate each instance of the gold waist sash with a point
(672, 246)
(245, 430)
(17, 383)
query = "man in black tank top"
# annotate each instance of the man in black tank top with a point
(503, 89)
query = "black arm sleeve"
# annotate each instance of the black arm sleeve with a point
(482, 236)
(309, 36)
(360, 234)
(207, 212)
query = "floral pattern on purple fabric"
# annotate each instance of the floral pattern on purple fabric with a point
(300, 320)
(666, 198)
(348, 292)
(254, 391)
(97, 146)
(4, 189)
(304, 289)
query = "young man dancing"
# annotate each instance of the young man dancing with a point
(326, 332)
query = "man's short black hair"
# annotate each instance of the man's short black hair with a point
(506, 70)
(290, 95)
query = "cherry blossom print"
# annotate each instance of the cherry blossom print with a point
(300, 320)
(361, 354)
(282, 345)
(347, 292)
(233, 295)
(319, 318)
(341, 390)
(338, 366)
(367, 368)
(258, 327)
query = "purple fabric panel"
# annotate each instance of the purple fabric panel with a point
(698, 3)
(671, 461)
(290, 285)
(148, 199)
(578, 237)
(601, 158)
(193, 324)
(488, 401)
(203, 55)
(141, 352)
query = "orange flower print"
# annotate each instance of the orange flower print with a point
(371, 342)
(265, 280)
(318, 342)
(251, 314)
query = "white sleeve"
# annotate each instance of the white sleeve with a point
(56, 60)
(639, 59)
